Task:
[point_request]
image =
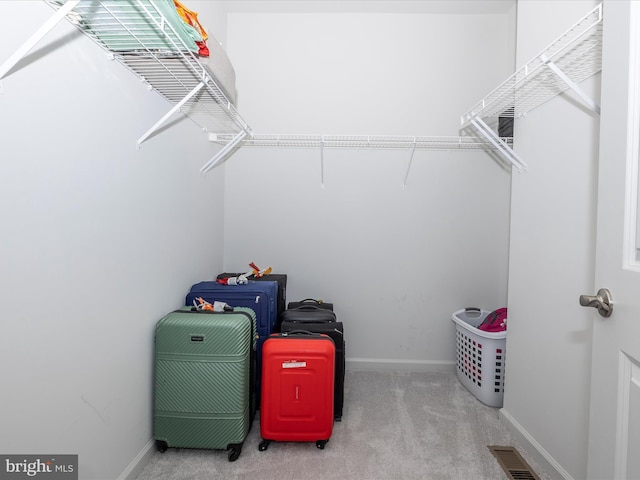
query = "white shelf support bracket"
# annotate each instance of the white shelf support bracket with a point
(36, 37)
(175, 108)
(322, 162)
(572, 85)
(224, 153)
(497, 142)
(406, 175)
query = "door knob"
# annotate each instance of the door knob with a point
(602, 301)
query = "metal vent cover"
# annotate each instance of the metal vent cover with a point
(512, 463)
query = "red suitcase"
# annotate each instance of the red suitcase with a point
(297, 388)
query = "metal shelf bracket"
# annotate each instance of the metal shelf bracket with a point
(322, 162)
(36, 37)
(500, 145)
(173, 110)
(572, 85)
(413, 150)
(225, 152)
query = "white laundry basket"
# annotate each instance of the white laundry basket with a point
(480, 356)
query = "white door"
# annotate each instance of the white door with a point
(614, 430)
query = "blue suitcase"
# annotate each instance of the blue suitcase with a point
(261, 297)
(281, 278)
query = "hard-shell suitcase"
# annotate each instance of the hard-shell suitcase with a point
(259, 296)
(311, 301)
(297, 388)
(204, 379)
(336, 331)
(281, 278)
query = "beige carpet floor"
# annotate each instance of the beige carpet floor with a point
(408, 426)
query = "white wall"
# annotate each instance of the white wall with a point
(99, 237)
(552, 257)
(99, 240)
(395, 261)
(212, 15)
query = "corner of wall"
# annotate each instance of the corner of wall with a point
(139, 462)
(533, 448)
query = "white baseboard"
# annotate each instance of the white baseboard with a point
(395, 365)
(533, 448)
(139, 462)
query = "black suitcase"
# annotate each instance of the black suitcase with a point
(311, 301)
(335, 330)
(307, 313)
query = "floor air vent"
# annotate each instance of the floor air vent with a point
(513, 464)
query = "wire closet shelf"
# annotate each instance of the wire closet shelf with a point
(572, 58)
(139, 36)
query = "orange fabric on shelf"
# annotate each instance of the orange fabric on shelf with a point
(191, 18)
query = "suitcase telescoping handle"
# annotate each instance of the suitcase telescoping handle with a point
(302, 333)
(226, 309)
(312, 320)
(309, 307)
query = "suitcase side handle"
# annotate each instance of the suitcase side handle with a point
(312, 301)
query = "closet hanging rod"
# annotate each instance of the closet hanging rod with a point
(374, 142)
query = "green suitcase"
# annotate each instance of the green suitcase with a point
(205, 370)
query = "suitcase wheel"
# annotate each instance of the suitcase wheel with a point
(264, 444)
(161, 446)
(321, 443)
(234, 452)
